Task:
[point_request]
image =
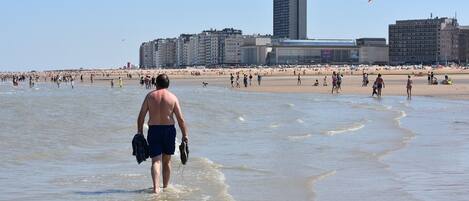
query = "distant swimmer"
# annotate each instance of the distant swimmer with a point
(409, 87)
(162, 106)
(204, 84)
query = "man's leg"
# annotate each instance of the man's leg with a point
(155, 173)
(166, 169)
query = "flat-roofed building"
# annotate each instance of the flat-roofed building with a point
(424, 41)
(147, 50)
(464, 44)
(317, 51)
(255, 50)
(373, 51)
(165, 53)
(182, 50)
(232, 50)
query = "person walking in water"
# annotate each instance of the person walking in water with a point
(162, 106)
(334, 82)
(409, 87)
(380, 84)
(121, 82)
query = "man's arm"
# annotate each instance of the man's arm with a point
(181, 122)
(141, 116)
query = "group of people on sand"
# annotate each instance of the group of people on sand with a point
(433, 80)
(378, 84)
(247, 80)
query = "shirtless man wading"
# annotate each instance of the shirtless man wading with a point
(162, 106)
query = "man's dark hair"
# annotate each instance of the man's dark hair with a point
(162, 81)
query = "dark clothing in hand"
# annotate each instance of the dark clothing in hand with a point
(140, 148)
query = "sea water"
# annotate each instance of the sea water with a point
(75, 144)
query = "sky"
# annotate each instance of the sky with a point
(69, 34)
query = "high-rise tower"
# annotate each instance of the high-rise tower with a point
(290, 19)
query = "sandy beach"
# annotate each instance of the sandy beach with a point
(284, 80)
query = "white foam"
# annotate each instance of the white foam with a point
(402, 114)
(298, 137)
(353, 128)
(311, 182)
(241, 119)
(274, 126)
(300, 121)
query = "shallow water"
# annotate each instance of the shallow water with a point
(64, 144)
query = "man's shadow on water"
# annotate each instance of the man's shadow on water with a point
(112, 191)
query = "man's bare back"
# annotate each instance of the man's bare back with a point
(161, 107)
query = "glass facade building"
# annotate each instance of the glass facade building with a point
(292, 52)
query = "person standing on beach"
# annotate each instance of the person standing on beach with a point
(429, 78)
(250, 79)
(365, 80)
(232, 80)
(112, 83)
(237, 80)
(259, 79)
(380, 84)
(334, 81)
(339, 82)
(245, 80)
(162, 106)
(299, 80)
(409, 87)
